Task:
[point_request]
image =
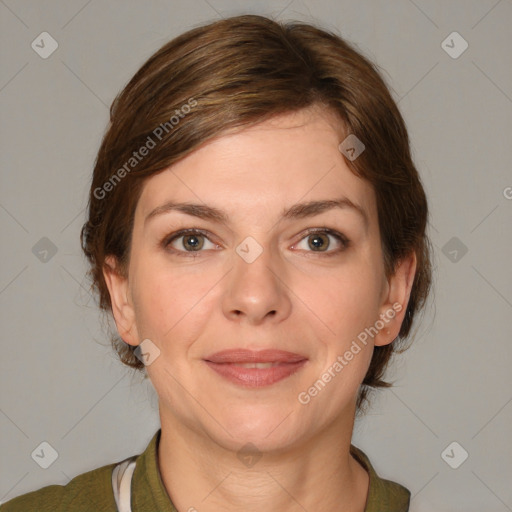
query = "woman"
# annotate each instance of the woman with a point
(256, 226)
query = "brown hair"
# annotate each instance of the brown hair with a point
(237, 72)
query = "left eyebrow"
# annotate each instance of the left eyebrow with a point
(297, 211)
(312, 208)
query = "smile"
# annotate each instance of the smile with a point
(254, 369)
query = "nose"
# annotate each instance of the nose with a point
(255, 289)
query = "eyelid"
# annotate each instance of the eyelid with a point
(168, 239)
(342, 239)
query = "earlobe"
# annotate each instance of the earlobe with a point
(122, 307)
(395, 304)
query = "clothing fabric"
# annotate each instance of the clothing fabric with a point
(93, 491)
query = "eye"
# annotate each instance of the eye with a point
(187, 241)
(319, 240)
(190, 242)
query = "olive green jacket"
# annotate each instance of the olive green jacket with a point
(92, 491)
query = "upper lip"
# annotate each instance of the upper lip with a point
(240, 355)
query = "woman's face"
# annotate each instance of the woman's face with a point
(304, 286)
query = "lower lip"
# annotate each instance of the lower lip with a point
(255, 377)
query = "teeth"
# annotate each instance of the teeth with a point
(256, 365)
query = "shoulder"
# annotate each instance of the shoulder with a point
(86, 492)
(91, 491)
(383, 495)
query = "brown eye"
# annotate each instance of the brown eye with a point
(187, 242)
(194, 242)
(320, 241)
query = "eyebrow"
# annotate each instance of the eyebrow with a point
(297, 211)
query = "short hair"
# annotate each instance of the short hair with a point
(238, 72)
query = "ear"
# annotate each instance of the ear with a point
(395, 299)
(122, 306)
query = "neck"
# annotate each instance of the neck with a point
(318, 474)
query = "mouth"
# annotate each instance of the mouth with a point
(254, 365)
(254, 369)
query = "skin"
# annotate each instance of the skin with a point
(292, 297)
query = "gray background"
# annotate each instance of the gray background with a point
(60, 382)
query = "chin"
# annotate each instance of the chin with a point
(267, 430)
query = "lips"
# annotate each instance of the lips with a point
(250, 368)
(251, 356)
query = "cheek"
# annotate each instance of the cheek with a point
(171, 303)
(352, 301)
(351, 308)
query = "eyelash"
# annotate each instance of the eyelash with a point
(165, 243)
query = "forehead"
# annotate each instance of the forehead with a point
(258, 170)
